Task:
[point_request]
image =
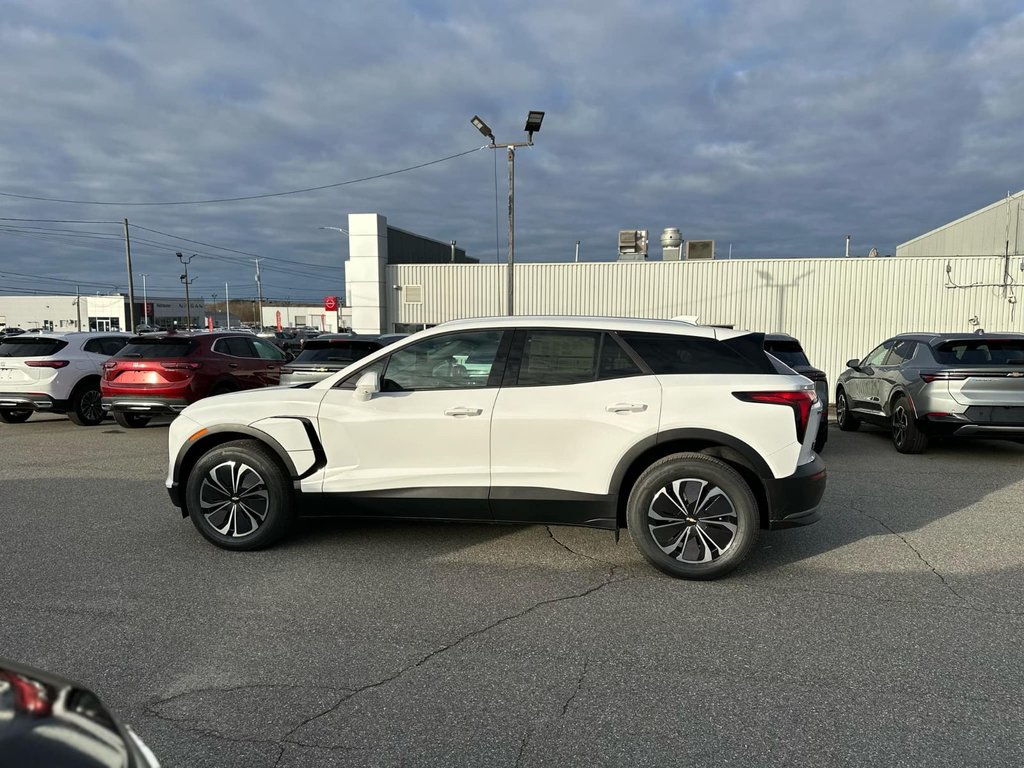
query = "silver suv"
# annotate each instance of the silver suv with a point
(924, 384)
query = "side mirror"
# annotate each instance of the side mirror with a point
(855, 364)
(367, 386)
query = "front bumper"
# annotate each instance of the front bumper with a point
(30, 401)
(795, 500)
(150, 406)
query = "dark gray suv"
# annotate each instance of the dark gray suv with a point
(925, 384)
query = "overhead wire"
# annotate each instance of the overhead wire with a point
(240, 198)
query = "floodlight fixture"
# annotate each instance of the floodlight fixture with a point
(481, 126)
(533, 121)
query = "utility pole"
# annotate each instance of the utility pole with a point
(131, 280)
(78, 306)
(259, 288)
(145, 300)
(227, 305)
(187, 282)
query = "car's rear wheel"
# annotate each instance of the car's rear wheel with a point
(86, 406)
(239, 497)
(692, 516)
(11, 416)
(845, 419)
(131, 420)
(907, 436)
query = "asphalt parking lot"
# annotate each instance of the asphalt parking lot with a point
(887, 634)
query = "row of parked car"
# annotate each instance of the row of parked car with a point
(134, 378)
(920, 386)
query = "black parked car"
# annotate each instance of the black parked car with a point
(788, 350)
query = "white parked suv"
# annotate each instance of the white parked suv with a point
(690, 436)
(55, 373)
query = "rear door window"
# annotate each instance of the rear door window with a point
(265, 350)
(235, 346)
(16, 347)
(553, 358)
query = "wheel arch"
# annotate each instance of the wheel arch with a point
(897, 393)
(192, 451)
(733, 451)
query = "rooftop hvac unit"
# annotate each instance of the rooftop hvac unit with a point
(671, 244)
(700, 249)
(632, 244)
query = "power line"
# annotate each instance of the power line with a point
(64, 221)
(247, 197)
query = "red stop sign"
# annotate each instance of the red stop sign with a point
(330, 303)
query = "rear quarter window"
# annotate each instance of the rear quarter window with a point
(668, 354)
(17, 347)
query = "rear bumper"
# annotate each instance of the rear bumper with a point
(31, 401)
(151, 406)
(795, 500)
(978, 421)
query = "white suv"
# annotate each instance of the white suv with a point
(690, 436)
(55, 373)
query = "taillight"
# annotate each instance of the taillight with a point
(46, 363)
(929, 376)
(180, 366)
(800, 401)
(110, 364)
(30, 697)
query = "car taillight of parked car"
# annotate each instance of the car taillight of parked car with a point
(181, 366)
(800, 401)
(46, 363)
(929, 376)
(30, 697)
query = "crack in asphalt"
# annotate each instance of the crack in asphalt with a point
(445, 648)
(567, 548)
(915, 550)
(576, 690)
(522, 747)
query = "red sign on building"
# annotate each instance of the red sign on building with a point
(331, 303)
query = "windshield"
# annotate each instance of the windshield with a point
(30, 347)
(343, 352)
(788, 352)
(157, 348)
(981, 352)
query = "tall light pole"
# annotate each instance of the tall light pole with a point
(338, 310)
(145, 300)
(533, 121)
(187, 282)
(131, 280)
(259, 289)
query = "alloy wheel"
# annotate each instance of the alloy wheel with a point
(92, 405)
(841, 408)
(692, 520)
(899, 425)
(234, 499)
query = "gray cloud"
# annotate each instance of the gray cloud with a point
(777, 127)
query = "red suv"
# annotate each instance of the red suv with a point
(162, 374)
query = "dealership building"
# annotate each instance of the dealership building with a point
(963, 276)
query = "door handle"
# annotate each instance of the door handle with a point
(626, 407)
(232, 365)
(463, 412)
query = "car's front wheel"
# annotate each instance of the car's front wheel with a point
(239, 496)
(692, 516)
(845, 420)
(12, 416)
(907, 436)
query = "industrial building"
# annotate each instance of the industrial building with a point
(994, 230)
(63, 313)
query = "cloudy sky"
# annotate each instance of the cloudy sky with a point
(778, 127)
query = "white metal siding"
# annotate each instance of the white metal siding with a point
(985, 232)
(838, 308)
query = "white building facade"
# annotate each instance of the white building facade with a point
(63, 313)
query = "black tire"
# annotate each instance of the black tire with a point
(845, 420)
(85, 408)
(223, 388)
(246, 469)
(11, 416)
(131, 420)
(907, 436)
(678, 487)
(822, 436)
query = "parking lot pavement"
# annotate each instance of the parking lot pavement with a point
(887, 634)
